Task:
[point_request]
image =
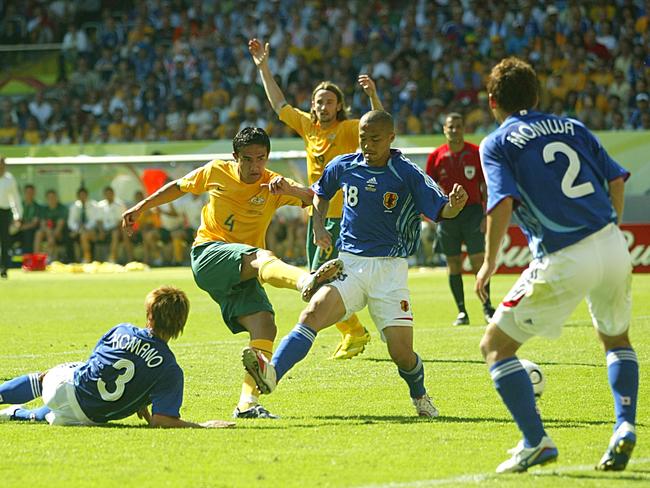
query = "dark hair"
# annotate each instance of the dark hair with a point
(379, 117)
(334, 88)
(30, 186)
(109, 188)
(455, 115)
(249, 136)
(167, 310)
(51, 190)
(82, 189)
(513, 85)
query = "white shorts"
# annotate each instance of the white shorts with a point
(382, 284)
(598, 267)
(59, 397)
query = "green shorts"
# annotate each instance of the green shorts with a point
(216, 266)
(315, 255)
(466, 227)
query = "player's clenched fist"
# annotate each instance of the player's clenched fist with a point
(457, 200)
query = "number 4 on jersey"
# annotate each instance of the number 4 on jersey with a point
(230, 222)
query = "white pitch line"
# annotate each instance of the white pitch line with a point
(86, 351)
(480, 477)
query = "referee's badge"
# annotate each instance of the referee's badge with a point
(390, 200)
(470, 172)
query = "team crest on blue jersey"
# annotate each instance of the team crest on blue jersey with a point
(257, 200)
(390, 200)
(470, 172)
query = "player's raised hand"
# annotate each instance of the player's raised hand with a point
(278, 186)
(367, 84)
(217, 424)
(260, 53)
(457, 200)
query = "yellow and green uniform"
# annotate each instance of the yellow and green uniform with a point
(233, 224)
(322, 145)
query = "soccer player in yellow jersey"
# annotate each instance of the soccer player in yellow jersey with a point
(228, 256)
(327, 133)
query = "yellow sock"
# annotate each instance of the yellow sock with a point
(351, 326)
(280, 274)
(249, 392)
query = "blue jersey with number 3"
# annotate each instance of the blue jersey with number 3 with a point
(556, 171)
(128, 369)
(381, 205)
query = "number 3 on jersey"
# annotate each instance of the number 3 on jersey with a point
(351, 194)
(120, 381)
(568, 187)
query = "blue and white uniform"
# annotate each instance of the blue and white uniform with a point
(380, 228)
(557, 173)
(128, 369)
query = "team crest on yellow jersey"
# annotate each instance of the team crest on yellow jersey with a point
(257, 200)
(390, 200)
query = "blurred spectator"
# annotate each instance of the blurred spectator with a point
(83, 222)
(156, 58)
(110, 215)
(30, 221)
(53, 230)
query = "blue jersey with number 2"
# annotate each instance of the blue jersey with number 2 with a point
(381, 205)
(556, 171)
(128, 369)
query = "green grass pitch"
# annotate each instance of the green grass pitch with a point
(344, 423)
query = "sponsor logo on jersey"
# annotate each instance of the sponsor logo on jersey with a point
(404, 304)
(390, 200)
(470, 172)
(257, 200)
(370, 184)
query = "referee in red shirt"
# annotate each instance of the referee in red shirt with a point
(459, 162)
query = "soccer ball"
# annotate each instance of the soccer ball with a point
(536, 376)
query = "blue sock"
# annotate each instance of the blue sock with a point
(623, 375)
(293, 348)
(20, 390)
(516, 390)
(37, 414)
(415, 378)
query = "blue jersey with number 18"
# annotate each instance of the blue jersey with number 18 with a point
(381, 205)
(556, 171)
(128, 369)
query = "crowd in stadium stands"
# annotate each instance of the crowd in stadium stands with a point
(176, 70)
(87, 230)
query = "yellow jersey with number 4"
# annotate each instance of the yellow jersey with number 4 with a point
(237, 212)
(322, 146)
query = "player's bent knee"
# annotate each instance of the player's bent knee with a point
(324, 309)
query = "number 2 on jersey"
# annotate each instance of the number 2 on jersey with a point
(568, 188)
(120, 381)
(351, 195)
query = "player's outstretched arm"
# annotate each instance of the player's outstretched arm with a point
(279, 185)
(370, 89)
(322, 237)
(497, 225)
(260, 56)
(163, 421)
(617, 196)
(168, 193)
(457, 200)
